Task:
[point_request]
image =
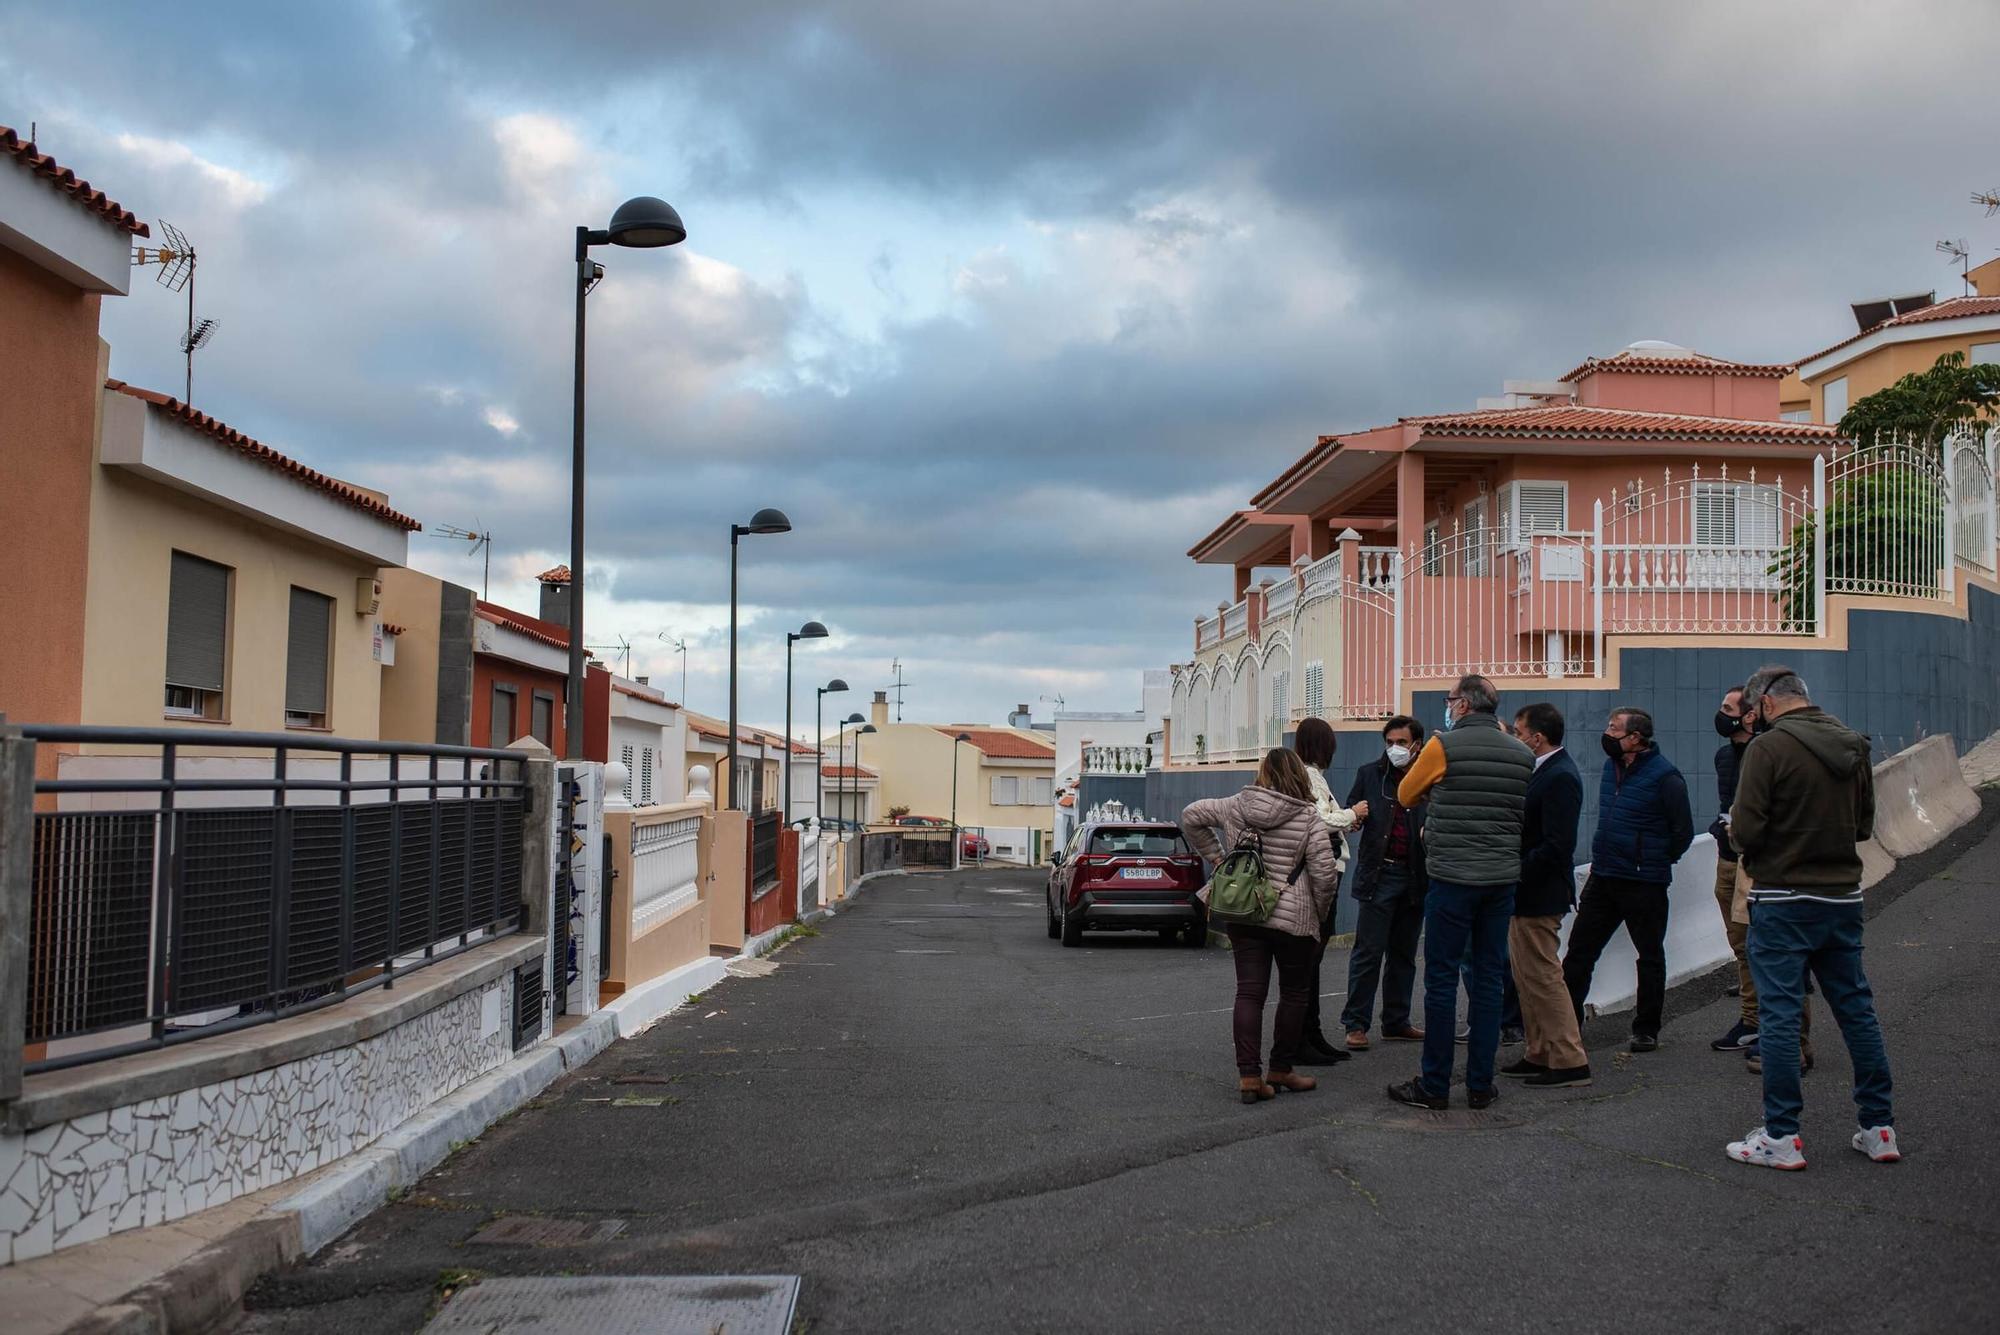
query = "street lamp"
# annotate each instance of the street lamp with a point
(812, 630)
(840, 780)
(956, 841)
(819, 745)
(859, 733)
(764, 521)
(644, 223)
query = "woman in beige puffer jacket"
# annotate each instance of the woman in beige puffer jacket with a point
(1279, 811)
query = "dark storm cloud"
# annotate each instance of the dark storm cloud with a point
(1260, 222)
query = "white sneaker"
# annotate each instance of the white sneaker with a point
(1761, 1151)
(1878, 1143)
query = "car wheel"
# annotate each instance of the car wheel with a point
(1072, 928)
(1055, 923)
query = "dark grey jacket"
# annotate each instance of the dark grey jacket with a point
(1472, 834)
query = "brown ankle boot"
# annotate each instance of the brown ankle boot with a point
(1254, 1090)
(1291, 1080)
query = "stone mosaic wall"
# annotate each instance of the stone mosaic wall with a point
(155, 1161)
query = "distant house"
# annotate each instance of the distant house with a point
(183, 573)
(762, 755)
(1894, 337)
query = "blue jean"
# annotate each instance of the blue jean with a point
(1787, 939)
(1464, 923)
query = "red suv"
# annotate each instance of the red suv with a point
(1127, 876)
(972, 845)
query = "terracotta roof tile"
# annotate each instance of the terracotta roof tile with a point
(1004, 745)
(548, 632)
(1694, 364)
(391, 628)
(1570, 421)
(554, 575)
(264, 454)
(1953, 308)
(69, 183)
(848, 772)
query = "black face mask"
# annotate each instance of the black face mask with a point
(1759, 725)
(1614, 747)
(1725, 726)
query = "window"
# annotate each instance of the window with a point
(1984, 354)
(1041, 792)
(542, 719)
(1796, 415)
(645, 776)
(501, 730)
(1153, 843)
(1527, 508)
(1476, 557)
(1735, 514)
(1006, 790)
(308, 645)
(1834, 401)
(1433, 550)
(197, 636)
(1315, 689)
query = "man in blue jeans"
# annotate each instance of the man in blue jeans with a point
(1475, 775)
(1805, 796)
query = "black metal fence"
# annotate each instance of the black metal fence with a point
(764, 829)
(927, 848)
(155, 908)
(881, 852)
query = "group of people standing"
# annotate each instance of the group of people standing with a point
(1467, 842)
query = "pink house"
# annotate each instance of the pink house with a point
(1655, 492)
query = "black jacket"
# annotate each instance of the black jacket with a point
(1728, 761)
(1548, 839)
(1375, 783)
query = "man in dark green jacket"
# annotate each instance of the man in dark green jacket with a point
(1804, 798)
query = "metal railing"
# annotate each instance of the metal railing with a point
(764, 829)
(166, 907)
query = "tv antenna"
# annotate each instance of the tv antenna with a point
(479, 540)
(1961, 252)
(176, 260)
(679, 646)
(896, 666)
(623, 646)
(1055, 700)
(1989, 199)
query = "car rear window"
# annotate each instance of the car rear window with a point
(1139, 843)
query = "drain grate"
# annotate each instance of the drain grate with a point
(1453, 1119)
(533, 1231)
(677, 1305)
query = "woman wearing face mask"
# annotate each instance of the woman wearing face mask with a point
(1315, 745)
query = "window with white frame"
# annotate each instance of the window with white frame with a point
(1796, 415)
(631, 774)
(1006, 790)
(1984, 354)
(308, 655)
(1735, 514)
(1528, 508)
(1316, 688)
(645, 776)
(197, 636)
(1834, 401)
(1433, 549)
(1041, 792)
(1475, 537)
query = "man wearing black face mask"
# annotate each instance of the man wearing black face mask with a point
(1644, 824)
(1733, 723)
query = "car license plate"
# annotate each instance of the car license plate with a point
(1141, 874)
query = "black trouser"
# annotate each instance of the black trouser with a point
(1255, 950)
(1385, 949)
(1640, 907)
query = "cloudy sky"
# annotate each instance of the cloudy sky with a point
(1005, 305)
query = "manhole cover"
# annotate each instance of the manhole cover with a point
(1454, 1119)
(678, 1305)
(532, 1231)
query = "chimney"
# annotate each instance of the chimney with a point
(1020, 718)
(555, 595)
(878, 713)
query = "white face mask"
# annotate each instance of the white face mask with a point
(1399, 755)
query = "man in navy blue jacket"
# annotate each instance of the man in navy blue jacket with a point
(1644, 824)
(1555, 1057)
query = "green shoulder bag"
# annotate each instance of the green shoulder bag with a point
(1240, 891)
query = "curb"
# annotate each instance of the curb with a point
(640, 1008)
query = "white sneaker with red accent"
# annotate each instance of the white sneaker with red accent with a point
(1878, 1143)
(1763, 1151)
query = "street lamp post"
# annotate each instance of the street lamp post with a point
(957, 841)
(859, 733)
(764, 521)
(840, 782)
(819, 746)
(644, 223)
(812, 630)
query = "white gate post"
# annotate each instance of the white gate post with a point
(1401, 591)
(1597, 585)
(1819, 544)
(1992, 503)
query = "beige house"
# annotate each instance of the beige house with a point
(1005, 777)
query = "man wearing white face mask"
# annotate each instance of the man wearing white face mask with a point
(1389, 881)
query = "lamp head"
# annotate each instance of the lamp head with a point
(766, 521)
(866, 727)
(812, 630)
(646, 223)
(963, 737)
(853, 718)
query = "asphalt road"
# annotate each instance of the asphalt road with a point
(945, 1121)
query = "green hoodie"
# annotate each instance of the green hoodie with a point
(1804, 799)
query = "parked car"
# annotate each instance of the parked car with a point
(1120, 876)
(972, 845)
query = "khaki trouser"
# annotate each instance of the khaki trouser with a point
(1546, 1013)
(1727, 876)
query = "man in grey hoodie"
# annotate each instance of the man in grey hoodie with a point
(1804, 798)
